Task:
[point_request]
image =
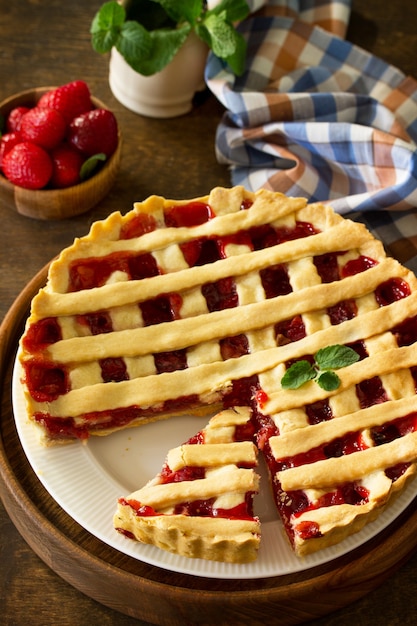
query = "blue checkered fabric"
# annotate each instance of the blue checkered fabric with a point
(315, 116)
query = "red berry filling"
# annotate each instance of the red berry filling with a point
(68, 428)
(138, 226)
(266, 429)
(113, 370)
(319, 412)
(45, 381)
(267, 236)
(98, 323)
(342, 312)
(41, 334)
(206, 508)
(356, 266)
(62, 428)
(327, 267)
(201, 508)
(156, 311)
(171, 361)
(370, 392)
(275, 281)
(95, 272)
(220, 295)
(234, 347)
(329, 270)
(342, 446)
(290, 330)
(183, 474)
(406, 333)
(188, 215)
(391, 291)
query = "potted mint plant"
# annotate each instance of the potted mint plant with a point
(159, 49)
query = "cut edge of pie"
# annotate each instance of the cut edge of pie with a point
(190, 306)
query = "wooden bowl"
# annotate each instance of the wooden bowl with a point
(54, 204)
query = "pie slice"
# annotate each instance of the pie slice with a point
(198, 305)
(201, 504)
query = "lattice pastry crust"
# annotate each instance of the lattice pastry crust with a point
(183, 306)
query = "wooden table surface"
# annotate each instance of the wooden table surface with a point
(47, 43)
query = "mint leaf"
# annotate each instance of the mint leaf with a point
(223, 42)
(237, 59)
(109, 29)
(180, 10)
(106, 26)
(335, 357)
(329, 381)
(104, 41)
(90, 165)
(111, 15)
(236, 10)
(218, 31)
(325, 360)
(164, 44)
(299, 373)
(134, 43)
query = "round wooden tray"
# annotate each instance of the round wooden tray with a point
(159, 596)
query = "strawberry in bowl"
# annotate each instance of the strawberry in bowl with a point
(59, 151)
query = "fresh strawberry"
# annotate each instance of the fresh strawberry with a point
(28, 165)
(67, 163)
(70, 100)
(14, 118)
(94, 132)
(45, 127)
(7, 142)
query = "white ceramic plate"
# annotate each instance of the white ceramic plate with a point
(86, 479)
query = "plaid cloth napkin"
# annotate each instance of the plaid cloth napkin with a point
(315, 116)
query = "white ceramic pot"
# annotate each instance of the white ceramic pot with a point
(168, 93)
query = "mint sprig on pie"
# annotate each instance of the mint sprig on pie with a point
(206, 306)
(325, 361)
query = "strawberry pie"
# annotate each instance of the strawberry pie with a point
(284, 319)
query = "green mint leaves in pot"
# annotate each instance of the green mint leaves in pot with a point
(149, 33)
